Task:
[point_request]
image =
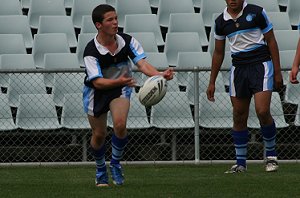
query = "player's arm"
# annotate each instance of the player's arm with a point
(150, 70)
(99, 82)
(273, 48)
(295, 67)
(217, 60)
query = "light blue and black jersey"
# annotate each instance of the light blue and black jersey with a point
(100, 63)
(245, 34)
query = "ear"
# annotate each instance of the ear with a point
(98, 25)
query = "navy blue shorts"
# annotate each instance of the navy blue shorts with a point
(247, 80)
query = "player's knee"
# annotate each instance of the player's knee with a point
(120, 126)
(264, 117)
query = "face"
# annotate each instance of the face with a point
(109, 24)
(235, 5)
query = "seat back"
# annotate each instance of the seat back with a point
(42, 8)
(16, 24)
(126, 7)
(166, 7)
(144, 23)
(12, 44)
(87, 25)
(48, 43)
(83, 39)
(6, 119)
(269, 6)
(37, 112)
(208, 8)
(178, 23)
(10, 7)
(49, 24)
(147, 40)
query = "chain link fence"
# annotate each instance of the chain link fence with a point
(42, 120)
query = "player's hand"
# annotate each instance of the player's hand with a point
(168, 74)
(278, 81)
(129, 81)
(210, 92)
(293, 75)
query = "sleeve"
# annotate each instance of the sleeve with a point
(263, 22)
(92, 68)
(136, 50)
(218, 33)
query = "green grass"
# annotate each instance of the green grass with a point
(151, 181)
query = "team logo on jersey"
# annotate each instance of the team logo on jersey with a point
(250, 17)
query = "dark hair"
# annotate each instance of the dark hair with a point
(99, 11)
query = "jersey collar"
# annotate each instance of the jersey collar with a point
(103, 50)
(227, 16)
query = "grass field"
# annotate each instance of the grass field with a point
(151, 181)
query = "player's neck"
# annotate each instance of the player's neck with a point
(234, 12)
(106, 40)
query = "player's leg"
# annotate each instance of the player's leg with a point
(119, 108)
(98, 125)
(240, 98)
(240, 132)
(268, 128)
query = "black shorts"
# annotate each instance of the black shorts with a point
(247, 80)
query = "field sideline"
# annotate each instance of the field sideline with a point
(151, 181)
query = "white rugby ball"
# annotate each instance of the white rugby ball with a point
(153, 90)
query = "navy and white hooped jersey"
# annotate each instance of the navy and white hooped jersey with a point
(101, 63)
(245, 34)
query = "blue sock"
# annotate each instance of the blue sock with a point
(99, 156)
(269, 136)
(240, 139)
(118, 146)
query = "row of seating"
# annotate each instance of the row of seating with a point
(38, 112)
(80, 8)
(175, 42)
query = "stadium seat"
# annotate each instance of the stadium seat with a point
(276, 112)
(44, 7)
(126, 7)
(191, 60)
(29, 83)
(12, 62)
(178, 23)
(12, 44)
(137, 116)
(217, 114)
(280, 20)
(25, 4)
(49, 24)
(81, 8)
(83, 39)
(144, 23)
(16, 24)
(58, 61)
(10, 7)
(293, 10)
(111, 2)
(68, 3)
(166, 7)
(6, 119)
(203, 84)
(208, 8)
(65, 83)
(286, 39)
(157, 59)
(87, 25)
(283, 3)
(286, 63)
(297, 118)
(269, 6)
(147, 40)
(172, 112)
(37, 112)
(73, 115)
(197, 3)
(48, 43)
(292, 92)
(154, 3)
(181, 42)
